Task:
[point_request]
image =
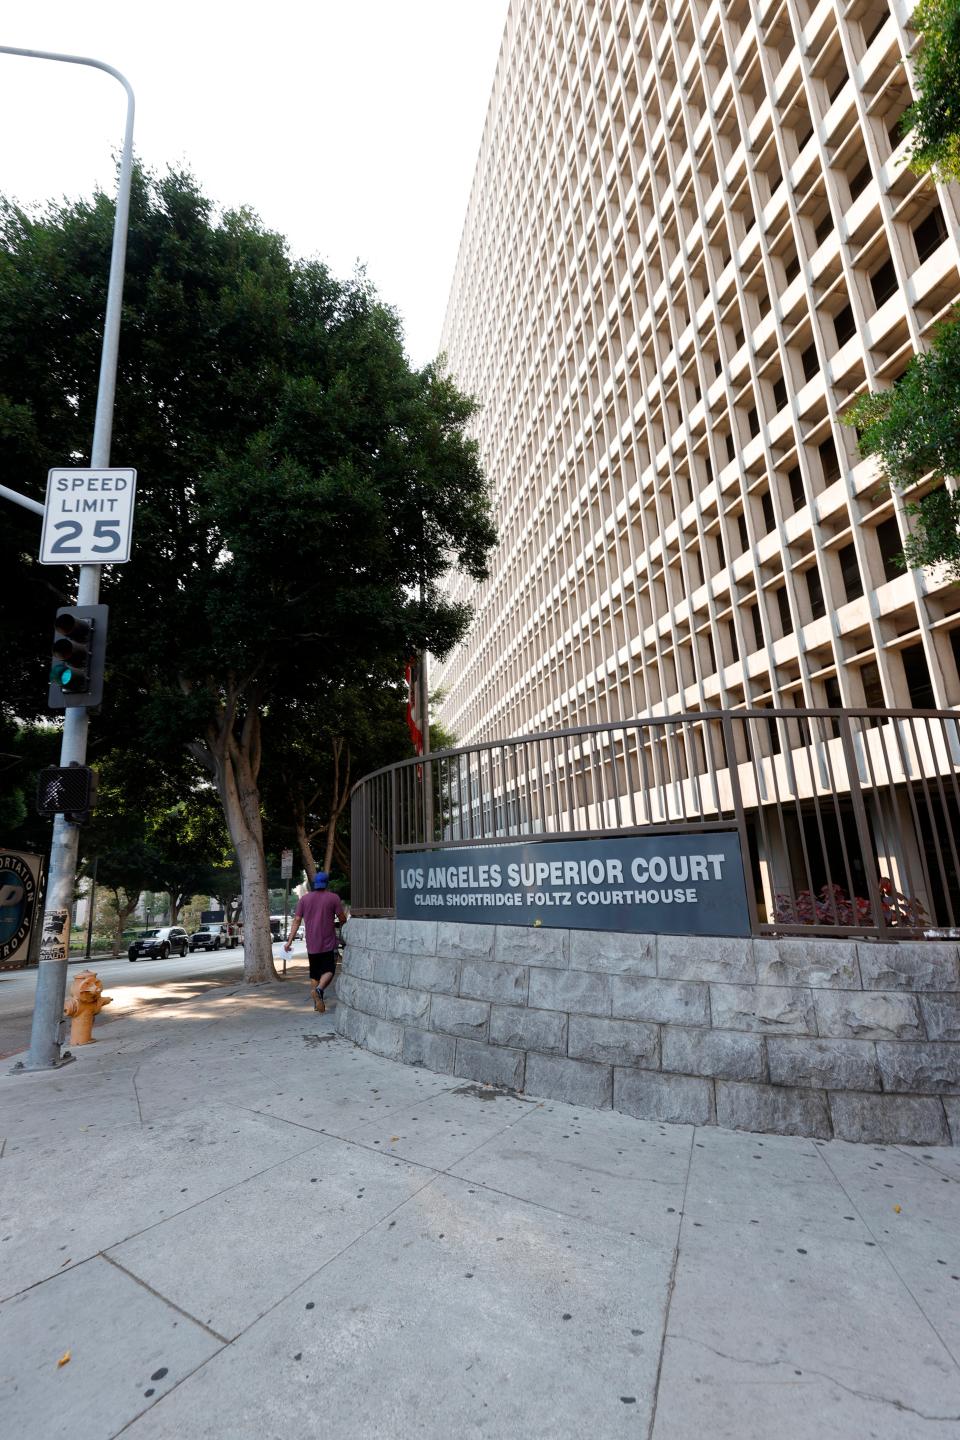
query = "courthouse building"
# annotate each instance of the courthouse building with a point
(691, 242)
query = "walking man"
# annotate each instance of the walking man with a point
(318, 909)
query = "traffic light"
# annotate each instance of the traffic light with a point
(68, 790)
(79, 650)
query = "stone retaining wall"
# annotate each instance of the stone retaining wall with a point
(795, 1036)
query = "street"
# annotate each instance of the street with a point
(132, 986)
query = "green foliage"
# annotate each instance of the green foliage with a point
(24, 751)
(934, 119)
(297, 480)
(315, 748)
(301, 490)
(914, 431)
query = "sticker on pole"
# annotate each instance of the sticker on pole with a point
(88, 517)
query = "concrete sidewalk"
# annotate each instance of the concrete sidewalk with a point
(237, 1224)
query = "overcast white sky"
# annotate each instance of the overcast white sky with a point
(350, 126)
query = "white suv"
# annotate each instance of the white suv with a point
(214, 935)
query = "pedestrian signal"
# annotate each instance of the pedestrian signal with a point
(68, 790)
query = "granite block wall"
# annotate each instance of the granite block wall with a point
(796, 1036)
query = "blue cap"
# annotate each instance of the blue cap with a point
(320, 880)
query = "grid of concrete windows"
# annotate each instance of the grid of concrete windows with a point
(691, 242)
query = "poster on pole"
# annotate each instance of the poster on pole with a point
(88, 517)
(286, 864)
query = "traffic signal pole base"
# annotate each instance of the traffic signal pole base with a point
(24, 1067)
(45, 1043)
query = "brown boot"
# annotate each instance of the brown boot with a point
(318, 1004)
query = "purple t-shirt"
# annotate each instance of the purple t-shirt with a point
(318, 907)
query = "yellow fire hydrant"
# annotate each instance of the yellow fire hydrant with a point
(86, 1000)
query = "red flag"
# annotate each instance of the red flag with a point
(412, 674)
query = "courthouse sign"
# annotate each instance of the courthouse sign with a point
(677, 884)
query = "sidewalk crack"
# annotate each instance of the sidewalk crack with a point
(671, 1286)
(900, 1405)
(878, 1240)
(136, 1094)
(158, 1295)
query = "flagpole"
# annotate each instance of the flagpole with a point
(424, 708)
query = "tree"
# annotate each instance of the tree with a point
(933, 120)
(316, 750)
(914, 431)
(914, 428)
(191, 848)
(299, 484)
(25, 750)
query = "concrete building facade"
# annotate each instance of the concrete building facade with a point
(691, 242)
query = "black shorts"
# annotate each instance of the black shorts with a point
(322, 962)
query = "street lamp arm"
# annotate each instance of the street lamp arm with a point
(103, 424)
(24, 500)
(70, 60)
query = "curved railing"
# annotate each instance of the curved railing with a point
(849, 820)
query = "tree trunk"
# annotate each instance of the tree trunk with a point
(341, 794)
(235, 763)
(125, 909)
(175, 905)
(331, 837)
(306, 853)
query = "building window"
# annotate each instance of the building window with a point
(797, 493)
(850, 570)
(840, 82)
(809, 362)
(791, 267)
(844, 326)
(731, 451)
(930, 234)
(766, 505)
(780, 393)
(753, 421)
(783, 605)
(831, 689)
(872, 686)
(917, 675)
(823, 227)
(860, 181)
(828, 460)
(818, 606)
(755, 622)
(891, 548)
(744, 537)
(882, 19)
(883, 283)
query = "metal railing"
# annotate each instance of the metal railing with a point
(849, 820)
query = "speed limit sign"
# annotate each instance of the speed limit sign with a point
(88, 517)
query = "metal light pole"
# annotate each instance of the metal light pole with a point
(44, 1051)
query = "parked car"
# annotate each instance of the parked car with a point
(158, 944)
(215, 935)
